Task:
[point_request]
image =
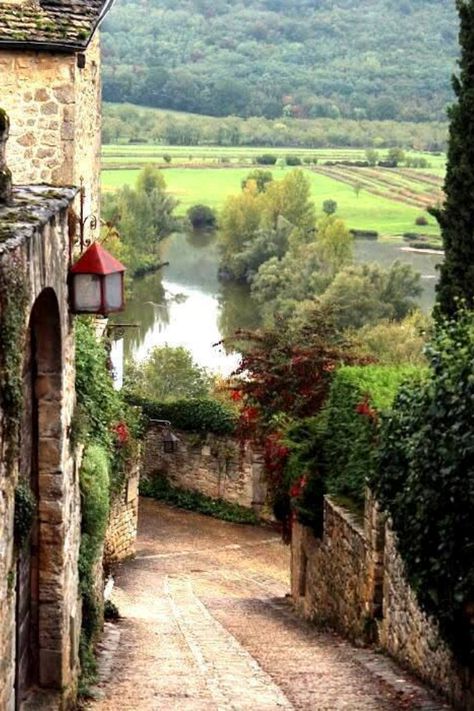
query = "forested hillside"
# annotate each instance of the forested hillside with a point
(375, 59)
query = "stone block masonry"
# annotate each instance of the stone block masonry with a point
(54, 109)
(213, 465)
(123, 521)
(353, 580)
(40, 618)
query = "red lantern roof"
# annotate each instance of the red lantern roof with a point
(96, 260)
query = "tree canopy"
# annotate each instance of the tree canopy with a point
(371, 59)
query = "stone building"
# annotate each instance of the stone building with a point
(50, 87)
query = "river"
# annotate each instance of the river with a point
(185, 305)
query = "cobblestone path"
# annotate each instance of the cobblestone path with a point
(207, 627)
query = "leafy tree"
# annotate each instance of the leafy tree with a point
(372, 156)
(396, 342)
(456, 218)
(367, 293)
(329, 207)
(261, 178)
(142, 217)
(357, 188)
(202, 217)
(290, 199)
(150, 179)
(396, 155)
(168, 374)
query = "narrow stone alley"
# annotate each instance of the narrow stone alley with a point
(206, 626)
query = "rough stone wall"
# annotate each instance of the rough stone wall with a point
(54, 109)
(213, 465)
(39, 246)
(329, 580)
(123, 521)
(353, 579)
(413, 639)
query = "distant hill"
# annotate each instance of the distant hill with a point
(375, 59)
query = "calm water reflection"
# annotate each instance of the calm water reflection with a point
(184, 304)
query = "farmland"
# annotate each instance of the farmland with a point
(386, 200)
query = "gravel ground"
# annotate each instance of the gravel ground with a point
(207, 626)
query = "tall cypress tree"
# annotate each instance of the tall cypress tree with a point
(456, 217)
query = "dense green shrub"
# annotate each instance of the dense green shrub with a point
(203, 415)
(266, 159)
(159, 488)
(293, 160)
(202, 217)
(94, 484)
(304, 468)
(357, 396)
(425, 480)
(98, 404)
(25, 508)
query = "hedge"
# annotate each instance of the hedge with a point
(199, 415)
(425, 481)
(357, 396)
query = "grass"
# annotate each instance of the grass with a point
(212, 186)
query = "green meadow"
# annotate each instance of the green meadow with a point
(212, 185)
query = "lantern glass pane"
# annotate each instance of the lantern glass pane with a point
(87, 292)
(113, 291)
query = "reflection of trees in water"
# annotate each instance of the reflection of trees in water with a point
(146, 307)
(193, 260)
(237, 309)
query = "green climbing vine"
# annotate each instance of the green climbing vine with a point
(13, 303)
(25, 507)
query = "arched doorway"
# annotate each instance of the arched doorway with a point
(40, 470)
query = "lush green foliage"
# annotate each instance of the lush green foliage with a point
(202, 217)
(159, 488)
(168, 373)
(278, 58)
(202, 415)
(356, 398)
(142, 217)
(133, 124)
(94, 483)
(99, 406)
(456, 217)
(367, 293)
(396, 342)
(425, 479)
(256, 224)
(13, 303)
(106, 425)
(25, 509)
(303, 476)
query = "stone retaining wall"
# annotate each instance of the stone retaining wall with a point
(123, 521)
(353, 580)
(213, 465)
(329, 576)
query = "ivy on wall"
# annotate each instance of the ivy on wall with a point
(13, 304)
(425, 480)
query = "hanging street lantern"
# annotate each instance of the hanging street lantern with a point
(170, 442)
(96, 283)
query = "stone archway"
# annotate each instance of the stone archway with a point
(39, 613)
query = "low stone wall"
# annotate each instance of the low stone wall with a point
(121, 532)
(329, 575)
(353, 579)
(213, 465)
(413, 639)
